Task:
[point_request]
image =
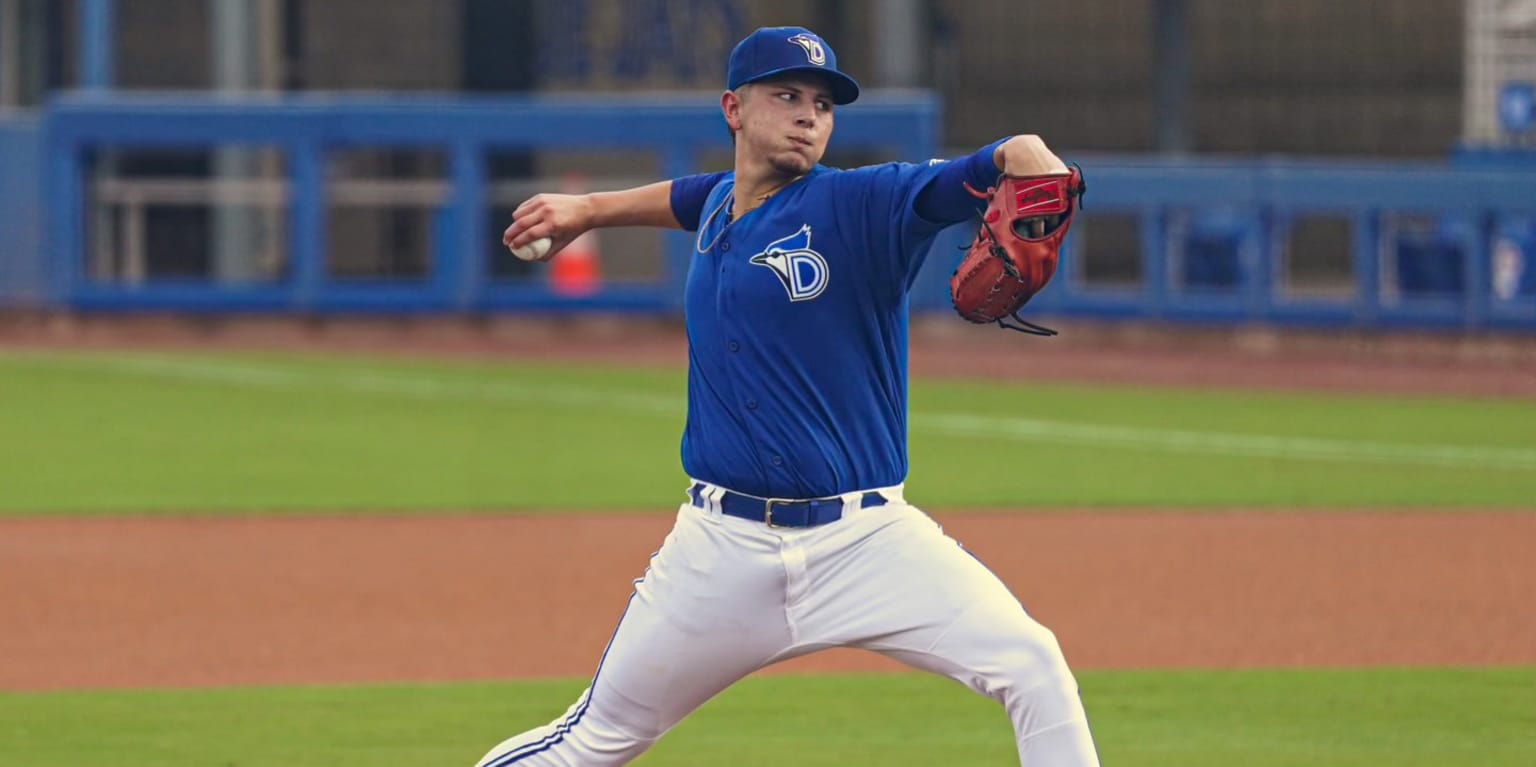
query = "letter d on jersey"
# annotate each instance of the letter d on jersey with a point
(802, 271)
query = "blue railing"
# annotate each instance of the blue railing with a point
(304, 129)
(1212, 239)
(1234, 219)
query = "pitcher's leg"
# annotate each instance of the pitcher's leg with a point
(1019, 664)
(708, 612)
(909, 591)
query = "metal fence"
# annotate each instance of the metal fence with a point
(1292, 242)
(1277, 241)
(95, 220)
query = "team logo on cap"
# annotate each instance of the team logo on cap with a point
(813, 48)
(802, 271)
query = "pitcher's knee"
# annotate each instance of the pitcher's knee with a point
(1034, 684)
(1031, 663)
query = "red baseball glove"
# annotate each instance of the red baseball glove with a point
(1016, 248)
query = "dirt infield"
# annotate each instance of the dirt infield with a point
(178, 602)
(194, 602)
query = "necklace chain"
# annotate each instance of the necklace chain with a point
(730, 199)
(707, 221)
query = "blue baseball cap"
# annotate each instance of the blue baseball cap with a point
(776, 50)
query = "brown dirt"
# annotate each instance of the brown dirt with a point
(192, 602)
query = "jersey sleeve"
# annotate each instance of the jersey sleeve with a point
(902, 206)
(879, 216)
(944, 197)
(688, 195)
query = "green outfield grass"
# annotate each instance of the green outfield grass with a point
(1418, 718)
(132, 433)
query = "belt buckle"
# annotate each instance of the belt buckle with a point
(768, 509)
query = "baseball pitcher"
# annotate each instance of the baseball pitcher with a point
(795, 535)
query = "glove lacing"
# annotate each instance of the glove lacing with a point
(998, 252)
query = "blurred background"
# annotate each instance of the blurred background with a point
(1369, 164)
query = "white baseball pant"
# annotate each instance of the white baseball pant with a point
(724, 597)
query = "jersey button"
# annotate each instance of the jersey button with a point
(777, 460)
(725, 246)
(733, 346)
(751, 404)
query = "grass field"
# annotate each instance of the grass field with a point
(158, 434)
(1357, 718)
(92, 434)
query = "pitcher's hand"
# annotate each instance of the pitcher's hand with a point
(560, 217)
(1027, 155)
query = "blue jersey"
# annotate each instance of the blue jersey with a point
(797, 328)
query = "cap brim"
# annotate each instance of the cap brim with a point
(844, 88)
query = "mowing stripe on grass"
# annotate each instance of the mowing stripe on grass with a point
(413, 387)
(1251, 445)
(950, 424)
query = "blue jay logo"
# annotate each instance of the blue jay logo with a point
(813, 48)
(802, 270)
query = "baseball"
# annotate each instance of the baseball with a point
(533, 251)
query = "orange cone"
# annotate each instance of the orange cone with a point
(575, 271)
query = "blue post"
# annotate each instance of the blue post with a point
(1365, 254)
(1259, 282)
(462, 272)
(97, 53)
(1069, 269)
(307, 209)
(1478, 280)
(65, 244)
(1154, 260)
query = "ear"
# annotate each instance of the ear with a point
(730, 107)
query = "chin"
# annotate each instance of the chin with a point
(792, 163)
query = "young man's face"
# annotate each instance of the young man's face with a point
(787, 120)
